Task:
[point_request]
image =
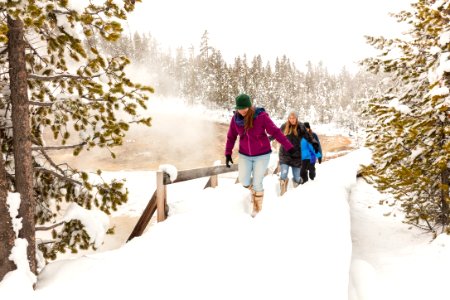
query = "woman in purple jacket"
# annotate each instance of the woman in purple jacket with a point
(252, 125)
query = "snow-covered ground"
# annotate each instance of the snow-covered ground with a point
(326, 239)
(298, 247)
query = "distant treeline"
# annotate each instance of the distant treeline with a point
(203, 77)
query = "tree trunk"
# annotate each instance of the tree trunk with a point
(445, 197)
(7, 234)
(21, 135)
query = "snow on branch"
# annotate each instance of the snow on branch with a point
(95, 222)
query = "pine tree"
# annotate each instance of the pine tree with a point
(219, 87)
(206, 70)
(192, 85)
(409, 131)
(81, 96)
(256, 84)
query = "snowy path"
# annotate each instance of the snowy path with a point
(298, 247)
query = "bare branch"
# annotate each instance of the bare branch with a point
(55, 77)
(35, 52)
(68, 12)
(35, 103)
(52, 163)
(46, 148)
(45, 243)
(44, 228)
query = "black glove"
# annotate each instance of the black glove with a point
(228, 160)
(320, 160)
(291, 151)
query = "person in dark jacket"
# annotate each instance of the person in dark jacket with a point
(252, 125)
(294, 131)
(316, 141)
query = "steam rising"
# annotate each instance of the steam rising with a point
(182, 136)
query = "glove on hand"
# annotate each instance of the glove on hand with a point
(291, 151)
(313, 159)
(228, 160)
(320, 160)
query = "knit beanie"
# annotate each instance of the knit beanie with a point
(243, 101)
(307, 125)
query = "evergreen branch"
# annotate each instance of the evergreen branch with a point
(44, 228)
(59, 76)
(104, 100)
(422, 227)
(48, 104)
(68, 12)
(62, 177)
(95, 100)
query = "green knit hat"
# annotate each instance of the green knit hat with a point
(243, 101)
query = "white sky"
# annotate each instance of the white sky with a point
(328, 30)
(298, 247)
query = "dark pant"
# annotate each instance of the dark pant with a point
(307, 169)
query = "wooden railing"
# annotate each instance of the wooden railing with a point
(158, 201)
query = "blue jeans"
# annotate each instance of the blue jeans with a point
(253, 165)
(284, 169)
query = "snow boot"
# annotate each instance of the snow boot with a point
(296, 184)
(257, 198)
(283, 186)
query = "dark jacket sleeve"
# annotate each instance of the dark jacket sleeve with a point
(318, 141)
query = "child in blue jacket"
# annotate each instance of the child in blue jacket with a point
(308, 160)
(315, 139)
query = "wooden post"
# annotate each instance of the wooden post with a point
(166, 207)
(160, 196)
(144, 219)
(214, 181)
(208, 183)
